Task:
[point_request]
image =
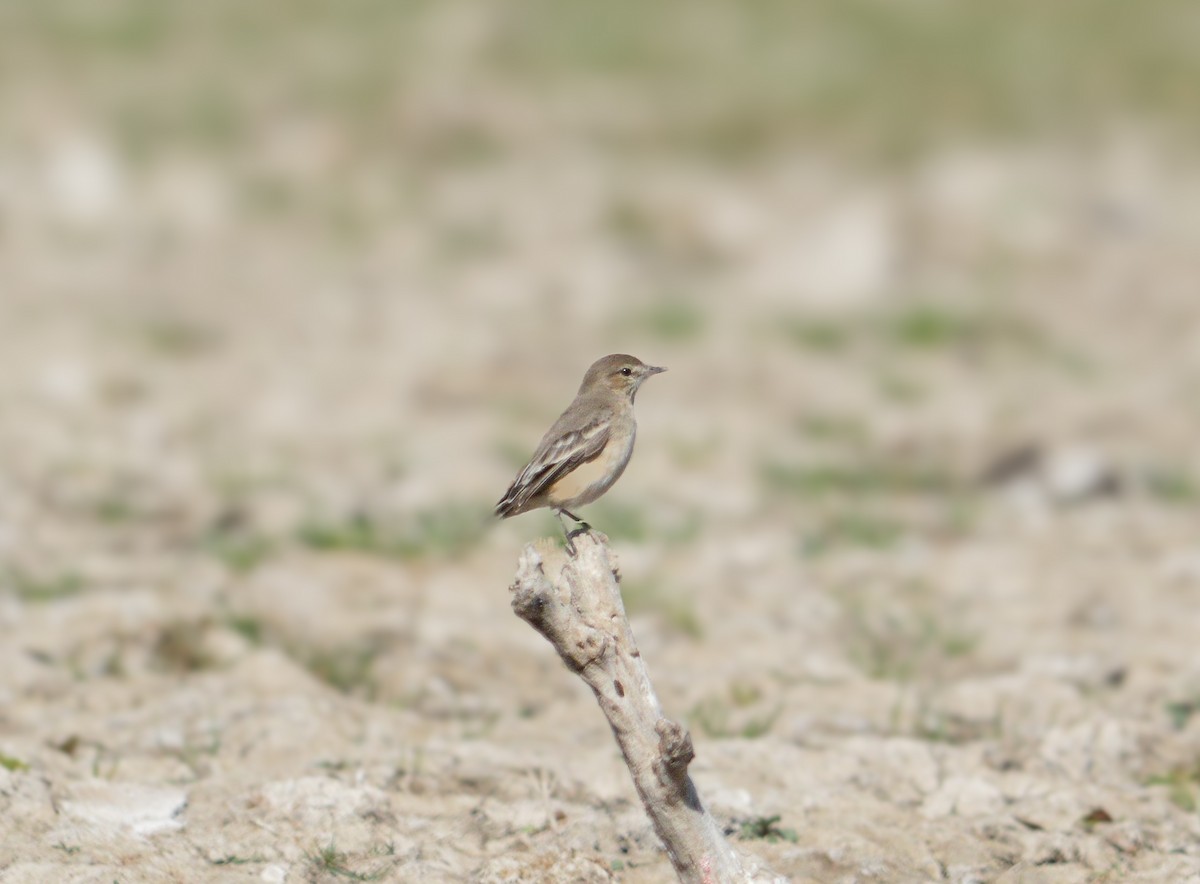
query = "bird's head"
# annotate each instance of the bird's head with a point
(619, 373)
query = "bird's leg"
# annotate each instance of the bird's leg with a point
(584, 526)
(566, 533)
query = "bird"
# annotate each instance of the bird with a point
(587, 449)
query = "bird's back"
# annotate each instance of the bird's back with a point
(578, 436)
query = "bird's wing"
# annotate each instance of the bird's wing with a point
(567, 445)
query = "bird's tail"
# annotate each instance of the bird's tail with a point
(506, 506)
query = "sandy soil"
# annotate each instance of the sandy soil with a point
(909, 539)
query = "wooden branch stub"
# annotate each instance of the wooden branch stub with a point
(575, 603)
(547, 608)
(674, 749)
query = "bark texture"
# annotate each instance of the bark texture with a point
(575, 603)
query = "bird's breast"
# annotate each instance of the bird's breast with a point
(589, 480)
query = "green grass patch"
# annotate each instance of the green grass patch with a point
(864, 504)
(1182, 784)
(921, 327)
(242, 553)
(820, 335)
(114, 509)
(447, 531)
(1181, 711)
(736, 712)
(249, 628)
(854, 529)
(835, 428)
(13, 764)
(239, 550)
(39, 588)
(178, 338)
(905, 644)
(347, 667)
(1172, 485)
(867, 478)
(231, 538)
(330, 861)
(765, 828)
(899, 387)
(925, 326)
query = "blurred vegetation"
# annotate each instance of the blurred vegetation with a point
(907, 638)
(329, 863)
(345, 667)
(725, 80)
(765, 828)
(1171, 484)
(882, 476)
(743, 710)
(675, 610)
(862, 496)
(31, 587)
(446, 531)
(12, 763)
(929, 327)
(1182, 784)
(181, 647)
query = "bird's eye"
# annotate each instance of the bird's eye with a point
(627, 371)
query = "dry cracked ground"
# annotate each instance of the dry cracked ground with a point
(909, 540)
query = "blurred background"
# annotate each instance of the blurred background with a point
(289, 291)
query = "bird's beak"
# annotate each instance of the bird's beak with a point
(654, 369)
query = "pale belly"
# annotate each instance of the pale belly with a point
(588, 481)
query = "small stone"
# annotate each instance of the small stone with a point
(1072, 474)
(964, 796)
(143, 810)
(84, 181)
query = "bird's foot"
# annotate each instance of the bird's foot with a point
(581, 527)
(584, 528)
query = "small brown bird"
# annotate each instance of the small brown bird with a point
(588, 447)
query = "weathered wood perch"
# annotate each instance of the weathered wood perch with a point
(575, 603)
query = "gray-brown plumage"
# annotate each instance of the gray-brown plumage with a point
(587, 448)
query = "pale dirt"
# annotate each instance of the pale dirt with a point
(964, 682)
